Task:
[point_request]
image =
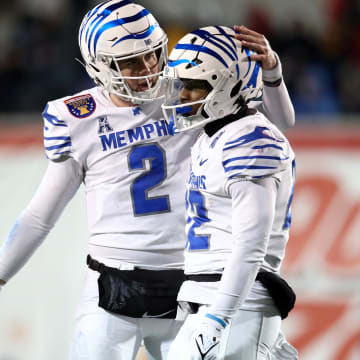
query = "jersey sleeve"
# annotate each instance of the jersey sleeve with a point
(255, 152)
(57, 188)
(57, 139)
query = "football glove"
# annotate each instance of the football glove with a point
(205, 342)
(282, 350)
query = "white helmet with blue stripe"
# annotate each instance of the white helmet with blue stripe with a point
(119, 30)
(213, 56)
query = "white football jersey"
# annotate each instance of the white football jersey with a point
(134, 175)
(244, 150)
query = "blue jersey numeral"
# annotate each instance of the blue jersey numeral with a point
(143, 204)
(195, 200)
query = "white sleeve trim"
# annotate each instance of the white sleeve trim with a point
(276, 104)
(275, 73)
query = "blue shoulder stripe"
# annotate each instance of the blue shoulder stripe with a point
(239, 174)
(268, 146)
(200, 48)
(251, 167)
(57, 138)
(58, 146)
(256, 134)
(62, 152)
(278, 158)
(53, 120)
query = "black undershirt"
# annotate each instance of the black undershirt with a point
(212, 127)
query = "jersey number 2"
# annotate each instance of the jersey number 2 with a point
(143, 204)
(195, 201)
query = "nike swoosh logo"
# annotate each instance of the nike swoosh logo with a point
(208, 350)
(202, 162)
(146, 315)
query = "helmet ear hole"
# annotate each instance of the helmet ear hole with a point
(236, 89)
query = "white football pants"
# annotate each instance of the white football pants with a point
(100, 335)
(249, 336)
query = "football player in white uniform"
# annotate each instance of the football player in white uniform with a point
(114, 139)
(238, 199)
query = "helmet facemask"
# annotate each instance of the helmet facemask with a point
(185, 113)
(119, 83)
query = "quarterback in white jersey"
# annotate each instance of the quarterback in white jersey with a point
(238, 199)
(113, 139)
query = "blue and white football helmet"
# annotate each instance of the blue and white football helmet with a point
(211, 54)
(120, 30)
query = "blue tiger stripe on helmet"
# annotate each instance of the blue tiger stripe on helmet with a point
(200, 48)
(222, 31)
(248, 54)
(173, 63)
(137, 36)
(211, 39)
(88, 16)
(117, 22)
(217, 42)
(253, 78)
(100, 17)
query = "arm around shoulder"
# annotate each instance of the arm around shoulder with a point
(277, 104)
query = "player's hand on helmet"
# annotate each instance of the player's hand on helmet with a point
(257, 42)
(205, 342)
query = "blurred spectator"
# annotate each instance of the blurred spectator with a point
(38, 43)
(342, 46)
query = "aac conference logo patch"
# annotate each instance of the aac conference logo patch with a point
(81, 106)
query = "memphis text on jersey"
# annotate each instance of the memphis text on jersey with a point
(119, 139)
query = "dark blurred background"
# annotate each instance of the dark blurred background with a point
(318, 42)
